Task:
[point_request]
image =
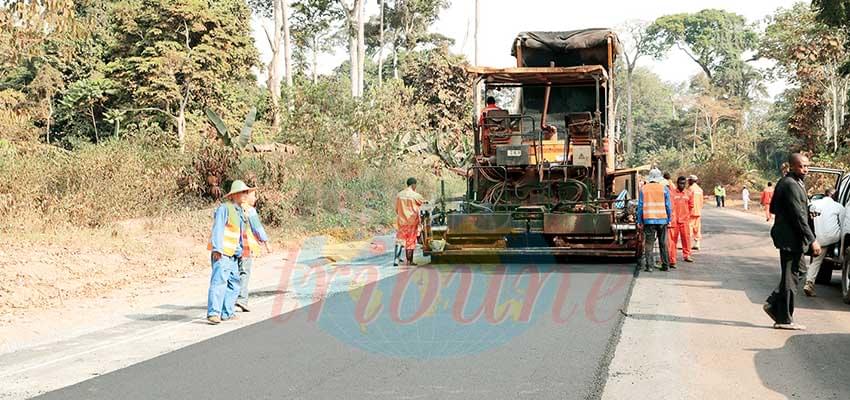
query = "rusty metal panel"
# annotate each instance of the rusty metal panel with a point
(479, 224)
(577, 224)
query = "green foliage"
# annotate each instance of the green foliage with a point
(716, 40)
(85, 100)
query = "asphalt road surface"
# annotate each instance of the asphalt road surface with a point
(540, 330)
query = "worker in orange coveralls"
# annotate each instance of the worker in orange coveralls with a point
(682, 201)
(407, 204)
(696, 213)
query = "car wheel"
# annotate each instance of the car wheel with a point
(845, 276)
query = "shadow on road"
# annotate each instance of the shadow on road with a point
(691, 320)
(806, 359)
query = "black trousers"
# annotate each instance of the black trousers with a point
(650, 233)
(781, 301)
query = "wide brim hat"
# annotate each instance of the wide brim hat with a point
(238, 187)
(693, 178)
(655, 175)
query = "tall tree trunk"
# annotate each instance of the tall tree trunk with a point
(287, 42)
(94, 124)
(181, 127)
(381, 48)
(361, 48)
(354, 63)
(630, 138)
(275, 64)
(49, 116)
(315, 54)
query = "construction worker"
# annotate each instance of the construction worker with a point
(719, 195)
(696, 213)
(653, 216)
(256, 236)
(407, 204)
(671, 186)
(766, 197)
(829, 218)
(745, 196)
(485, 132)
(229, 242)
(682, 201)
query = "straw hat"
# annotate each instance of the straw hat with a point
(238, 187)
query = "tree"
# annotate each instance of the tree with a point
(637, 43)
(716, 40)
(355, 25)
(173, 54)
(811, 54)
(280, 44)
(88, 96)
(406, 24)
(314, 26)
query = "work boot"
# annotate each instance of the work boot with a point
(242, 307)
(688, 259)
(696, 245)
(769, 311)
(672, 266)
(809, 289)
(409, 254)
(214, 319)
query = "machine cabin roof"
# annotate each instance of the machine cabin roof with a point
(541, 75)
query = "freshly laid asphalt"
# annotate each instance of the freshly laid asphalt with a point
(378, 343)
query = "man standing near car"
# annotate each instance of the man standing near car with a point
(792, 236)
(829, 217)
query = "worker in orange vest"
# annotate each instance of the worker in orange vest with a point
(696, 212)
(682, 201)
(653, 216)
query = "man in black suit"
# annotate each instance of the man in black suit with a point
(792, 235)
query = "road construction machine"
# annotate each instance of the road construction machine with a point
(544, 177)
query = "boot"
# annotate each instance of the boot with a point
(396, 255)
(409, 254)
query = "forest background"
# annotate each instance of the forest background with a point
(119, 109)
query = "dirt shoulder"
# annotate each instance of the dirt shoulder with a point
(70, 281)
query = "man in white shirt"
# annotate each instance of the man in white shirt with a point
(827, 231)
(745, 194)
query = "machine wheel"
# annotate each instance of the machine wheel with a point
(825, 274)
(845, 277)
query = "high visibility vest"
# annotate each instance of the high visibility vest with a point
(698, 198)
(234, 227)
(253, 242)
(654, 206)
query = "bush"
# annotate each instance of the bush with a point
(93, 186)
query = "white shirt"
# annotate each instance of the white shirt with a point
(828, 224)
(746, 195)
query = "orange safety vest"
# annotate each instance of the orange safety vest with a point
(233, 229)
(253, 242)
(698, 198)
(653, 201)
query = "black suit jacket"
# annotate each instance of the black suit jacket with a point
(791, 231)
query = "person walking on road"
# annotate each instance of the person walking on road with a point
(407, 205)
(766, 197)
(829, 218)
(792, 235)
(256, 235)
(696, 213)
(745, 196)
(228, 244)
(653, 216)
(682, 201)
(720, 195)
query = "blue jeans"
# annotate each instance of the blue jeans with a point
(224, 287)
(245, 265)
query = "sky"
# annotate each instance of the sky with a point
(501, 20)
